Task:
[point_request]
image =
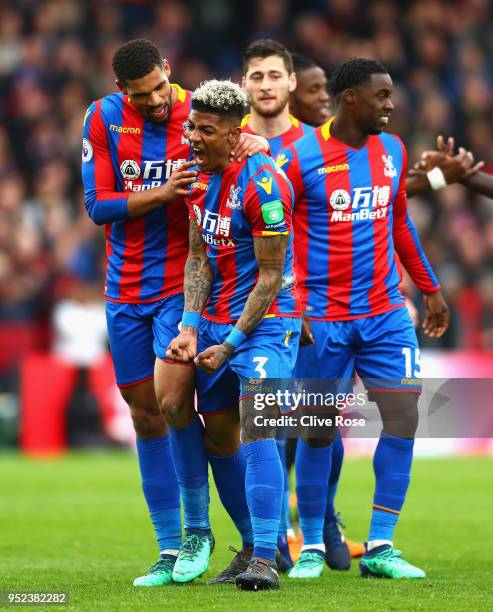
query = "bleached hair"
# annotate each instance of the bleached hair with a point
(221, 98)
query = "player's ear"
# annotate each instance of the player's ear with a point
(121, 86)
(292, 82)
(166, 68)
(243, 82)
(348, 96)
(234, 136)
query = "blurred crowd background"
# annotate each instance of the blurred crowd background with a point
(55, 58)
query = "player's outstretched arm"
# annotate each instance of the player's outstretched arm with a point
(197, 286)
(481, 183)
(436, 169)
(269, 253)
(103, 203)
(441, 167)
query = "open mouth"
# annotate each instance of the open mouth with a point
(199, 156)
(385, 119)
(160, 112)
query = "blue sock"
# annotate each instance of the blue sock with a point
(264, 487)
(229, 476)
(285, 523)
(335, 472)
(312, 478)
(192, 472)
(161, 491)
(392, 466)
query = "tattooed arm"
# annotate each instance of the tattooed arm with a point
(269, 253)
(198, 272)
(197, 286)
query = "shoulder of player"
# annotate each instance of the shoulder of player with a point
(244, 124)
(395, 148)
(264, 175)
(391, 139)
(258, 163)
(182, 102)
(297, 124)
(182, 95)
(305, 142)
(108, 108)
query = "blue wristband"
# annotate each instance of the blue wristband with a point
(235, 337)
(191, 319)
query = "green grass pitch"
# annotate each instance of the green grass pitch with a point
(79, 524)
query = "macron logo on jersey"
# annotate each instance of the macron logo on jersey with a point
(124, 130)
(332, 169)
(367, 203)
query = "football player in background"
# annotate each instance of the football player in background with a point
(349, 181)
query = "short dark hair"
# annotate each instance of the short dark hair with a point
(352, 73)
(136, 59)
(265, 47)
(222, 98)
(302, 62)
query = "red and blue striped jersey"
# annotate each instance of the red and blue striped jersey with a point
(350, 217)
(249, 199)
(123, 152)
(297, 130)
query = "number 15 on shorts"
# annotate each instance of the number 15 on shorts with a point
(412, 362)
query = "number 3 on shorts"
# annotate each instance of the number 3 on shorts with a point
(413, 367)
(260, 361)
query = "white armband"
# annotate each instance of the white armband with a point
(436, 178)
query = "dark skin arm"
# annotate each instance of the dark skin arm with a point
(269, 253)
(481, 183)
(456, 168)
(197, 286)
(141, 202)
(306, 337)
(436, 315)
